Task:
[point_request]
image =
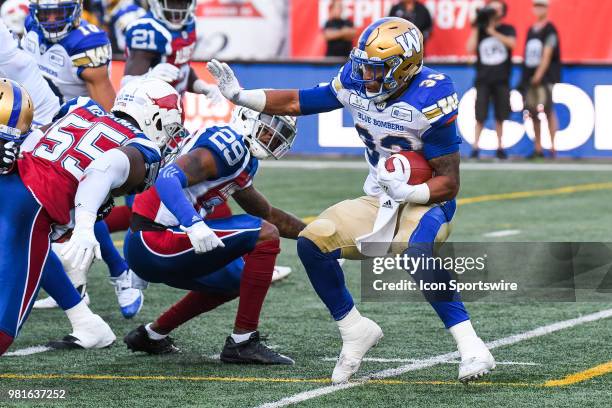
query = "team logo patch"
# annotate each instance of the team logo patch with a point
(402, 114)
(358, 102)
(56, 59)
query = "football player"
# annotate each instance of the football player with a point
(84, 157)
(119, 15)
(397, 104)
(172, 241)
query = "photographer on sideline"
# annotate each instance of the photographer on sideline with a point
(492, 41)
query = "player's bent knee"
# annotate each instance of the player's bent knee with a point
(5, 342)
(268, 232)
(320, 232)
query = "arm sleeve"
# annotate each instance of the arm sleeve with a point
(104, 174)
(318, 100)
(169, 186)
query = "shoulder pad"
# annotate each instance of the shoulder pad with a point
(83, 38)
(148, 34)
(226, 145)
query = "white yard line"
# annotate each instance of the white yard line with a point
(439, 359)
(361, 165)
(27, 351)
(502, 233)
(414, 360)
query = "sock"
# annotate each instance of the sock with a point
(5, 342)
(119, 219)
(57, 284)
(326, 277)
(466, 338)
(192, 305)
(116, 264)
(153, 335)
(255, 282)
(78, 314)
(239, 338)
(446, 303)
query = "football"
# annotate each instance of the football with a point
(415, 166)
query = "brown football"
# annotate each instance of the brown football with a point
(420, 170)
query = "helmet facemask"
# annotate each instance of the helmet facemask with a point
(174, 13)
(56, 18)
(266, 135)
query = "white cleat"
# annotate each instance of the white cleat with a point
(477, 365)
(356, 343)
(280, 273)
(50, 303)
(94, 333)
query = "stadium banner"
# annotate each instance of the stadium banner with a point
(226, 29)
(583, 103)
(575, 19)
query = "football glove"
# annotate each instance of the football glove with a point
(83, 246)
(212, 92)
(202, 238)
(226, 79)
(395, 185)
(8, 155)
(164, 71)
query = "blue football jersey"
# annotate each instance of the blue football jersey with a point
(62, 63)
(175, 47)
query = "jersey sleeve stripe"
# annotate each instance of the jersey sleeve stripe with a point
(16, 112)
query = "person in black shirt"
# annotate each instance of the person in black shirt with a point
(338, 32)
(414, 12)
(541, 70)
(493, 43)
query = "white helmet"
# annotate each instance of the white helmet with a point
(156, 107)
(14, 13)
(267, 135)
(173, 13)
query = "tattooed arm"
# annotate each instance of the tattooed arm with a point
(445, 185)
(254, 203)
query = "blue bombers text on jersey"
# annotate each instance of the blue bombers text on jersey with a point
(63, 62)
(175, 47)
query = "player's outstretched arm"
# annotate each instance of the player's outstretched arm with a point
(292, 102)
(254, 203)
(99, 86)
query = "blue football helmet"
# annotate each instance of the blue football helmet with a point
(56, 18)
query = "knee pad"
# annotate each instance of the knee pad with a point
(320, 232)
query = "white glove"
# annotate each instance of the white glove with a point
(212, 92)
(83, 246)
(164, 71)
(202, 238)
(395, 185)
(226, 80)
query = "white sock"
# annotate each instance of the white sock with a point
(347, 323)
(239, 338)
(468, 342)
(153, 335)
(79, 313)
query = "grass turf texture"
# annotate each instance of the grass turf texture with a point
(299, 325)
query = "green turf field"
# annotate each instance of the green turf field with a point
(533, 372)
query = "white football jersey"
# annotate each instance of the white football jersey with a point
(62, 63)
(406, 122)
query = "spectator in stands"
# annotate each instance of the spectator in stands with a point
(338, 32)
(492, 41)
(416, 13)
(541, 71)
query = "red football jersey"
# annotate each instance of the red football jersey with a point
(53, 169)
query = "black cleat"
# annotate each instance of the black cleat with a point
(139, 340)
(252, 351)
(475, 153)
(501, 154)
(67, 343)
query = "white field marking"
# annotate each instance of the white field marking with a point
(362, 165)
(502, 233)
(414, 360)
(439, 359)
(27, 351)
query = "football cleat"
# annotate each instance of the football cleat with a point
(476, 365)
(139, 340)
(130, 298)
(93, 334)
(50, 303)
(357, 341)
(252, 351)
(280, 273)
